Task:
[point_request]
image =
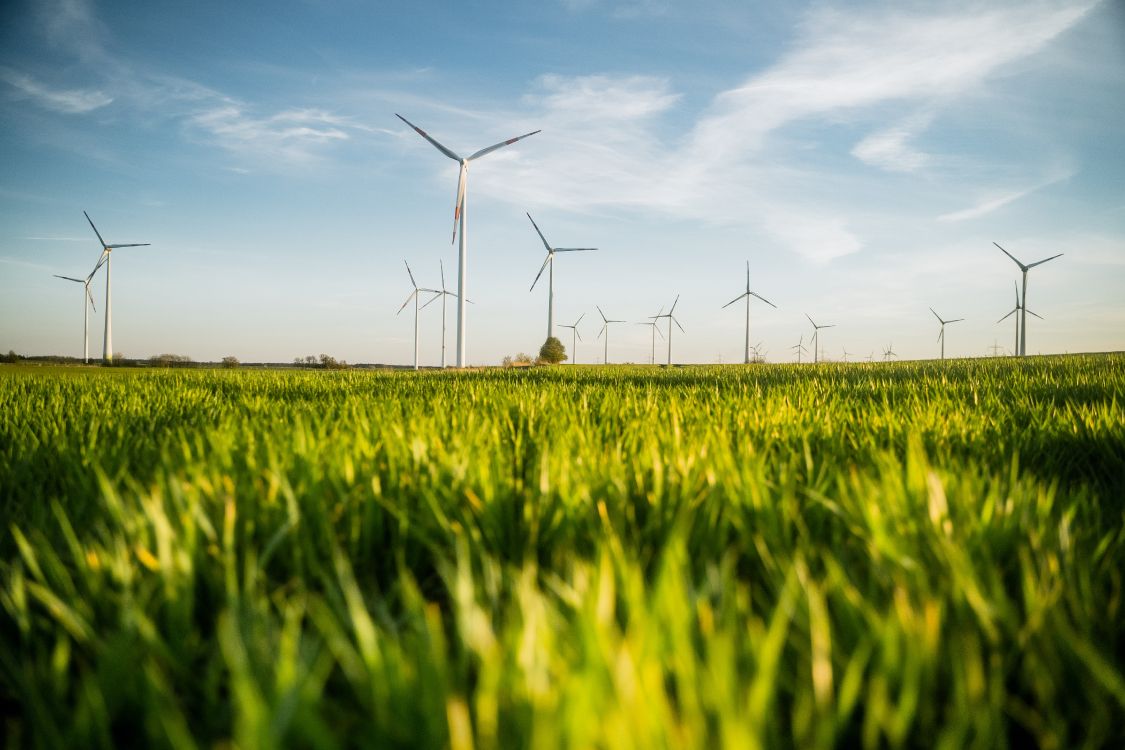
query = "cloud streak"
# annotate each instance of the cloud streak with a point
(67, 101)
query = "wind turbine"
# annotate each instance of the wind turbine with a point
(671, 319)
(941, 335)
(107, 341)
(86, 310)
(846, 353)
(550, 261)
(1023, 315)
(459, 225)
(816, 336)
(748, 294)
(655, 330)
(1019, 307)
(443, 294)
(889, 352)
(605, 329)
(414, 296)
(574, 335)
(799, 347)
(759, 354)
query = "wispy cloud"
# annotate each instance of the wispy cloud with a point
(996, 201)
(69, 101)
(891, 148)
(292, 134)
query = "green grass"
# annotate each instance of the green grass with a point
(912, 554)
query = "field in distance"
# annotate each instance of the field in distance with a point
(919, 554)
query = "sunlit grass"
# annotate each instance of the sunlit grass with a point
(840, 555)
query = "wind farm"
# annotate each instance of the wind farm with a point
(287, 513)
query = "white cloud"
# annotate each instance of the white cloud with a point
(890, 148)
(993, 201)
(68, 101)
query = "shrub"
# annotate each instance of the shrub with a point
(552, 352)
(231, 362)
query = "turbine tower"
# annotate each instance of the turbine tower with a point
(460, 228)
(671, 319)
(575, 335)
(748, 294)
(655, 330)
(550, 261)
(86, 310)
(1016, 309)
(107, 341)
(605, 329)
(1023, 314)
(414, 296)
(941, 334)
(816, 337)
(443, 294)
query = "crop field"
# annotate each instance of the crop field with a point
(864, 555)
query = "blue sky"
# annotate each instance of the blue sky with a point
(862, 156)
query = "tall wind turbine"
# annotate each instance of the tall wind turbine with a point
(816, 337)
(107, 341)
(550, 261)
(1023, 314)
(414, 296)
(889, 352)
(443, 294)
(655, 330)
(671, 319)
(86, 310)
(459, 226)
(605, 329)
(941, 335)
(799, 347)
(575, 335)
(1016, 309)
(748, 294)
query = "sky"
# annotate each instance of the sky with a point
(863, 157)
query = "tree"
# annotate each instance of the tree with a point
(552, 352)
(231, 362)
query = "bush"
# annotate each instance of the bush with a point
(11, 357)
(168, 360)
(552, 352)
(520, 360)
(331, 363)
(231, 362)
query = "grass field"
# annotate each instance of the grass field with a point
(908, 554)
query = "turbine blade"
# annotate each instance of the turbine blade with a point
(404, 304)
(433, 299)
(677, 323)
(541, 268)
(537, 231)
(1021, 265)
(502, 144)
(91, 296)
(459, 205)
(604, 326)
(674, 305)
(1029, 312)
(748, 276)
(94, 228)
(763, 299)
(736, 299)
(580, 317)
(579, 335)
(657, 329)
(1014, 310)
(811, 320)
(575, 249)
(601, 313)
(134, 244)
(937, 316)
(1041, 262)
(941, 334)
(955, 320)
(413, 283)
(441, 267)
(426, 135)
(832, 325)
(68, 278)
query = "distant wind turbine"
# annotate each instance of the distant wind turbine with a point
(414, 296)
(671, 319)
(655, 330)
(459, 226)
(443, 294)
(1023, 315)
(605, 329)
(889, 352)
(816, 336)
(574, 335)
(107, 251)
(846, 353)
(799, 347)
(1017, 309)
(550, 261)
(748, 294)
(941, 334)
(86, 310)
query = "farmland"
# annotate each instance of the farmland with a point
(905, 554)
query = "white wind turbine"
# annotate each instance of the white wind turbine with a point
(846, 353)
(575, 335)
(816, 337)
(1023, 315)
(443, 294)
(671, 319)
(889, 352)
(605, 329)
(550, 261)
(748, 294)
(414, 296)
(107, 341)
(460, 228)
(1016, 309)
(86, 310)
(941, 335)
(799, 347)
(655, 330)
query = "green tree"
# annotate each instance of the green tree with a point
(552, 352)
